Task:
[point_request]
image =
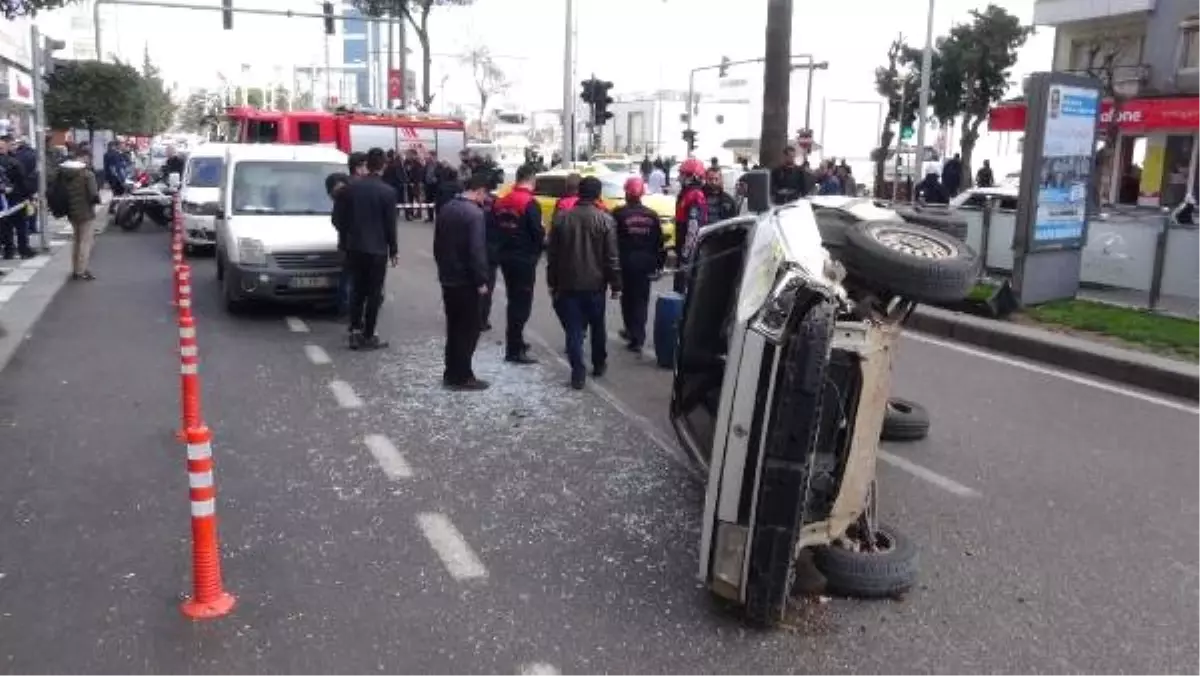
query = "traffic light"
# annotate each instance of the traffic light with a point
(723, 69)
(689, 136)
(227, 14)
(327, 10)
(588, 90)
(600, 102)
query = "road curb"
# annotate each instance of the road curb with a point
(1147, 371)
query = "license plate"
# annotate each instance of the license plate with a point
(310, 282)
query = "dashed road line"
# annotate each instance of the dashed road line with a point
(345, 395)
(317, 355)
(390, 460)
(944, 483)
(1070, 377)
(539, 669)
(36, 263)
(19, 275)
(296, 325)
(456, 555)
(7, 291)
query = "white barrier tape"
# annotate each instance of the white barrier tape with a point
(199, 451)
(415, 205)
(189, 369)
(14, 209)
(188, 351)
(200, 479)
(204, 508)
(161, 199)
(187, 332)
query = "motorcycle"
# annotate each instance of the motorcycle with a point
(153, 200)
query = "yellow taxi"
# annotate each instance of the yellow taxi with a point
(549, 186)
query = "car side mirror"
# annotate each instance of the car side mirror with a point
(758, 190)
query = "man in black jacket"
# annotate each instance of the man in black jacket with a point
(515, 241)
(14, 237)
(369, 234)
(460, 250)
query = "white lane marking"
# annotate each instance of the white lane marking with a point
(944, 483)
(1078, 380)
(641, 422)
(7, 292)
(346, 398)
(390, 460)
(296, 325)
(539, 669)
(36, 263)
(18, 276)
(458, 557)
(317, 355)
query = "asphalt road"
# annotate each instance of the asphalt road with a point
(373, 522)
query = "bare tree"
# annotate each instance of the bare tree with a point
(1104, 53)
(489, 78)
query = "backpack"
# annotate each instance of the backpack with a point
(57, 197)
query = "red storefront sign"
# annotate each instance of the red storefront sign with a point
(395, 83)
(1136, 116)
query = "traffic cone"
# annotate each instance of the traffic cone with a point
(189, 374)
(209, 600)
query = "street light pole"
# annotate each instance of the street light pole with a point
(926, 66)
(568, 111)
(808, 96)
(727, 64)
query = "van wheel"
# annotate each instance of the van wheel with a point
(884, 568)
(786, 471)
(918, 263)
(234, 305)
(904, 420)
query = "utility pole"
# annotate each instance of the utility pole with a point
(403, 58)
(899, 140)
(568, 111)
(922, 113)
(776, 82)
(39, 128)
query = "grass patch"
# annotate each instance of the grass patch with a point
(1160, 332)
(982, 291)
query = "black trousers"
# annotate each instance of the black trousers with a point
(462, 332)
(14, 233)
(635, 302)
(519, 280)
(485, 305)
(367, 274)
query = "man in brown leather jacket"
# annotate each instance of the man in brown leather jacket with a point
(581, 263)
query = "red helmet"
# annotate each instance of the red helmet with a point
(635, 187)
(691, 167)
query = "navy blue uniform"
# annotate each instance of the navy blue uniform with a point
(639, 241)
(515, 242)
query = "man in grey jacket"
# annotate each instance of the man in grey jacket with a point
(460, 250)
(581, 262)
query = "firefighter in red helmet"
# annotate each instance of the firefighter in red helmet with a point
(639, 240)
(691, 214)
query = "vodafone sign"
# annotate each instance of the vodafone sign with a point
(1137, 115)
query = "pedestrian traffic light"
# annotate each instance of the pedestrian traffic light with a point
(723, 69)
(327, 10)
(600, 102)
(227, 14)
(689, 136)
(588, 90)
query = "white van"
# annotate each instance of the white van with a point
(200, 194)
(275, 240)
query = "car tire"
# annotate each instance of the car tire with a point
(234, 304)
(870, 575)
(884, 254)
(942, 222)
(786, 471)
(904, 420)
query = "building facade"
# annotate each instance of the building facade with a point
(1149, 50)
(16, 80)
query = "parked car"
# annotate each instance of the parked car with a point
(781, 381)
(274, 238)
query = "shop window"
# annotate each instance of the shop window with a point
(1189, 57)
(308, 132)
(1102, 52)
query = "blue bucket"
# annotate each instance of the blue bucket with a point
(668, 308)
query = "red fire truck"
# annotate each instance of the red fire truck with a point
(349, 128)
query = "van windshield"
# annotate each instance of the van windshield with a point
(282, 187)
(205, 172)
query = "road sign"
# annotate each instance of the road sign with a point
(906, 133)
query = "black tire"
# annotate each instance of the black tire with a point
(785, 474)
(129, 219)
(870, 575)
(941, 221)
(882, 253)
(234, 304)
(904, 420)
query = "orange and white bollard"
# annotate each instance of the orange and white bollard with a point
(182, 287)
(209, 599)
(189, 374)
(177, 251)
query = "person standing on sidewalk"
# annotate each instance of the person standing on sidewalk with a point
(79, 182)
(460, 250)
(581, 261)
(515, 242)
(369, 227)
(14, 234)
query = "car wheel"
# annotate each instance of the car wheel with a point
(885, 569)
(942, 222)
(786, 470)
(919, 263)
(904, 420)
(233, 303)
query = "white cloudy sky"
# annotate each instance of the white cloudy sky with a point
(638, 44)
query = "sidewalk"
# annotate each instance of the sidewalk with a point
(28, 286)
